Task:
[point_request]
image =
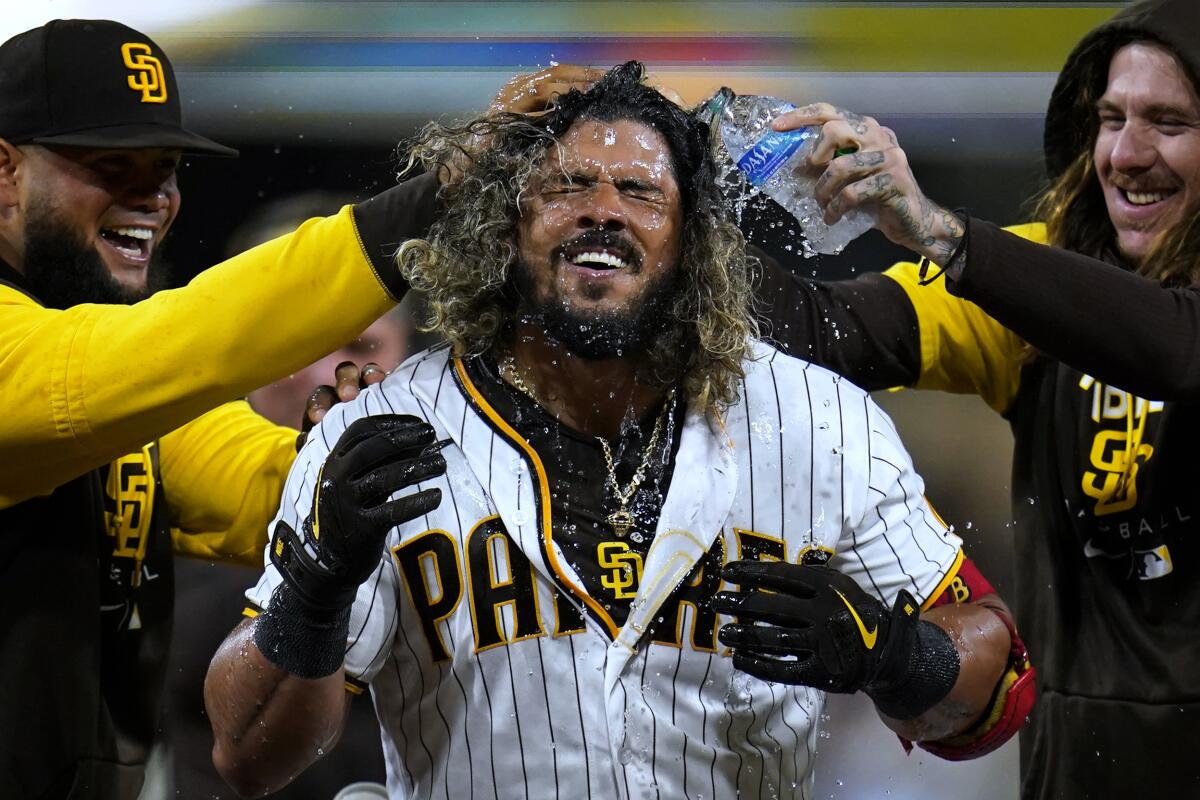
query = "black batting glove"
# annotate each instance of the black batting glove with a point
(351, 515)
(342, 538)
(814, 626)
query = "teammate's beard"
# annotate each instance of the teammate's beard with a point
(64, 271)
(596, 335)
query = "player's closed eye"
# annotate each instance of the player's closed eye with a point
(639, 190)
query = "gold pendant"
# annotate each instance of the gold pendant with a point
(621, 521)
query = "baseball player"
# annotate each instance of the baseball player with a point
(109, 463)
(604, 543)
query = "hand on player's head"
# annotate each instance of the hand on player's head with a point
(535, 92)
(531, 93)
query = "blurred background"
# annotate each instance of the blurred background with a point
(317, 94)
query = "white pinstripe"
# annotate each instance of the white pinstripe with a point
(807, 458)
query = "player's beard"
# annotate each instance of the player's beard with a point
(599, 334)
(64, 271)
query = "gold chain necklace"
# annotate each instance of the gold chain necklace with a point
(620, 520)
(509, 365)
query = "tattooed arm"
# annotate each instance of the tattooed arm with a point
(875, 177)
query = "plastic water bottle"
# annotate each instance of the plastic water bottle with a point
(776, 162)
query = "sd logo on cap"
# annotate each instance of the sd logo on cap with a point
(92, 83)
(147, 74)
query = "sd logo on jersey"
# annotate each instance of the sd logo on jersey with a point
(623, 569)
(129, 504)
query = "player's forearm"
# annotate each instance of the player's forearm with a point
(115, 377)
(1145, 339)
(268, 725)
(863, 329)
(983, 644)
(103, 380)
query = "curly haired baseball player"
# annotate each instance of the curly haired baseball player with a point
(604, 543)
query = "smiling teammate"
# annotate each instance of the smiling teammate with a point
(99, 372)
(539, 608)
(1090, 353)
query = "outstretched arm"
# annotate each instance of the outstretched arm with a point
(864, 329)
(872, 329)
(102, 380)
(874, 176)
(1121, 328)
(1117, 326)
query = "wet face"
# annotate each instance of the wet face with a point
(599, 237)
(1148, 149)
(112, 207)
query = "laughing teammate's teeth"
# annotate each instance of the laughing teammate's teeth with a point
(131, 241)
(605, 259)
(1145, 198)
(133, 233)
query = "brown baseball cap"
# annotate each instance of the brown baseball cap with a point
(92, 83)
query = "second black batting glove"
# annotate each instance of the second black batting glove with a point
(814, 626)
(341, 540)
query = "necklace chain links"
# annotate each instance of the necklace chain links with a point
(620, 520)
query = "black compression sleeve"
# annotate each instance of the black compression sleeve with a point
(929, 675)
(864, 329)
(294, 637)
(1116, 326)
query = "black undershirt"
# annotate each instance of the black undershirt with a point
(581, 498)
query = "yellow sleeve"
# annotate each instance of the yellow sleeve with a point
(222, 477)
(94, 382)
(963, 350)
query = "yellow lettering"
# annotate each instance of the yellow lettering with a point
(1110, 456)
(960, 591)
(130, 490)
(625, 569)
(147, 77)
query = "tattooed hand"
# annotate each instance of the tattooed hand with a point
(875, 176)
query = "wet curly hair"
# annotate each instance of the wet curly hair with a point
(464, 265)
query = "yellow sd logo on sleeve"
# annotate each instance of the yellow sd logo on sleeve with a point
(147, 70)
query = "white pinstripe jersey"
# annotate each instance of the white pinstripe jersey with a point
(495, 676)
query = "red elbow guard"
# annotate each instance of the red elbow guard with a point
(1014, 700)
(1015, 694)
